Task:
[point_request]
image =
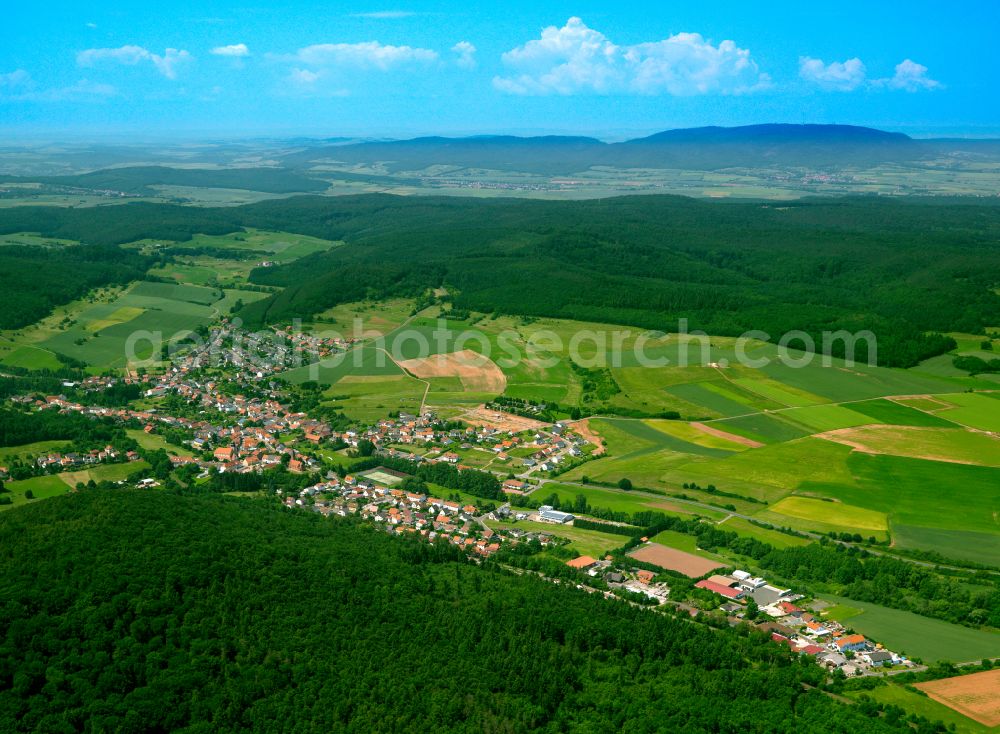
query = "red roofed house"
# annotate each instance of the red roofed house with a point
(851, 642)
(514, 486)
(582, 563)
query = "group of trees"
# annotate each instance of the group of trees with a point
(140, 610)
(976, 365)
(18, 427)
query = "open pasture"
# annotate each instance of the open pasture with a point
(47, 485)
(945, 507)
(27, 356)
(585, 542)
(371, 397)
(977, 410)
(102, 473)
(833, 514)
(918, 636)
(765, 535)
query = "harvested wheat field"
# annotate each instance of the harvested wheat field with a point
(477, 373)
(675, 560)
(976, 695)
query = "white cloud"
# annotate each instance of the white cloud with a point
(576, 59)
(366, 55)
(15, 79)
(384, 14)
(92, 26)
(911, 77)
(838, 76)
(466, 54)
(303, 77)
(132, 55)
(236, 50)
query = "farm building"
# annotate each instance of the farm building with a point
(726, 591)
(547, 514)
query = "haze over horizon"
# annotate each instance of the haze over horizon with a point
(437, 67)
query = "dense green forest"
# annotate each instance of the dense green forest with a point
(899, 268)
(141, 179)
(142, 611)
(33, 280)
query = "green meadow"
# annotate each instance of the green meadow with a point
(43, 487)
(584, 542)
(917, 636)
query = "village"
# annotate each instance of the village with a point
(234, 419)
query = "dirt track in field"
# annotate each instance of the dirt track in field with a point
(718, 433)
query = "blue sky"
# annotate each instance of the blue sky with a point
(397, 69)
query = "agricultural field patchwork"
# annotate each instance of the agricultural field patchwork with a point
(933, 444)
(99, 335)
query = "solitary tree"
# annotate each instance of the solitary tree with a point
(625, 483)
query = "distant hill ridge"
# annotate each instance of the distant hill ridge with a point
(700, 148)
(773, 145)
(775, 132)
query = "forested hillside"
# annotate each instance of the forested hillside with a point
(148, 611)
(899, 268)
(33, 280)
